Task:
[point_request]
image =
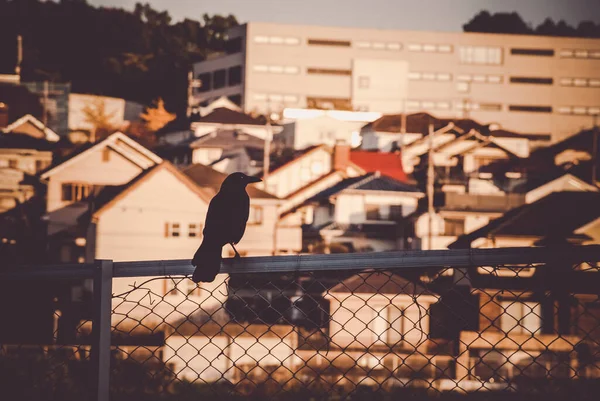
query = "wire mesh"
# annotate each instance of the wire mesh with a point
(486, 331)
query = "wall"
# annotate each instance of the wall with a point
(322, 130)
(26, 159)
(398, 46)
(350, 207)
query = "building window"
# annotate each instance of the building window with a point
(454, 227)
(490, 107)
(194, 230)
(328, 71)
(580, 53)
(531, 109)
(172, 230)
(75, 192)
(328, 103)
(395, 212)
(220, 79)
(531, 80)
(581, 82)
(579, 110)
(237, 99)
(233, 45)
(520, 317)
(277, 40)
(235, 75)
(429, 76)
(329, 42)
(532, 52)
(206, 79)
(277, 69)
(480, 55)
(13, 163)
(429, 48)
(372, 212)
(480, 78)
(363, 82)
(256, 215)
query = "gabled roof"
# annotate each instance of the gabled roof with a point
(207, 177)
(24, 141)
(108, 141)
(556, 215)
(387, 163)
(28, 118)
(379, 283)
(223, 115)
(110, 195)
(226, 139)
(368, 182)
(294, 157)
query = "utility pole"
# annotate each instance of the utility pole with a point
(19, 56)
(430, 178)
(192, 83)
(595, 150)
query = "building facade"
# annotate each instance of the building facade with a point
(533, 84)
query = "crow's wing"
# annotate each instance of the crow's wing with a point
(226, 218)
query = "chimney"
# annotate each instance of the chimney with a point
(341, 155)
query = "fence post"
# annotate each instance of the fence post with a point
(101, 328)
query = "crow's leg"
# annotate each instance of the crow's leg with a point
(237, 255)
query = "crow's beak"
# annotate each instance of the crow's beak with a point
(253, 179)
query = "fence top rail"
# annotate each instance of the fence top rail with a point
(329, 262)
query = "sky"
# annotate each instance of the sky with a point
(432, 15)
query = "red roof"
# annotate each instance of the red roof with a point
(388, 164)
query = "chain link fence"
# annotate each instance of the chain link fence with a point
(474, 324)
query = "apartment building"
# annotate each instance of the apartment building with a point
(531, 84)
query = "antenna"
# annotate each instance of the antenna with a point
(19, 56)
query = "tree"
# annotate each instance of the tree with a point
(513, 23)
(157, 117)
(101, 120)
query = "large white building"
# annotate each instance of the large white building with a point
(530, 84)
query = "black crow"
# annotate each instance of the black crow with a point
(225, 224)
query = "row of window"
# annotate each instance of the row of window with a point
(579, 110)
(480, 78)
(15, 164)
(175, 230)
(580, 53)
(582, 82)
(277, 69)
(276, 97)
(468, 54)
(221, 78)
(429, 76)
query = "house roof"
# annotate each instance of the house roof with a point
(205, 176)
(580, 171)
(367, 182)
(419, 123)
(556, 215)
(223, 115)
(110, 194)
(24, 141)
(388, 164)
(379, 283)
(226, 139)
(71, 157)
(28, 118)
(293, 157)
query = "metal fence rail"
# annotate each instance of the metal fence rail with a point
(483, 323)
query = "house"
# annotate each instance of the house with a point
(220, 118)
(360, 213)
(386, 163)
(225, 150)
(265, 233)
(573, 217)
(115, 160)
(21, 158)
(378, 331)
(323, 129)
(119, 113)
(31, 126)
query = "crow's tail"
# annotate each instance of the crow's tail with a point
(207, 261)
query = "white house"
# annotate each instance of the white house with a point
(362, 212)
(29, 125)
(115, 160)
(321, 130)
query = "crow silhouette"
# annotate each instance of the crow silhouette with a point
(225, 224)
